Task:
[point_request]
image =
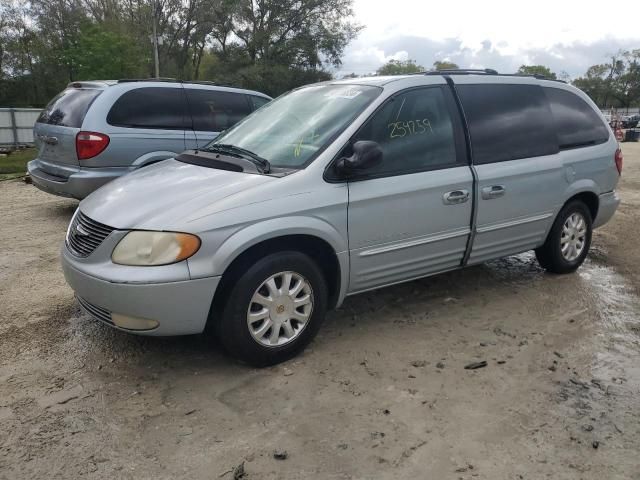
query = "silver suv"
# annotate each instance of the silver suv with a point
(93, 132)
(338, 188)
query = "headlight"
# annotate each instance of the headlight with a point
(142, 248)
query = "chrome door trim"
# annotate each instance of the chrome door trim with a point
(415, 242)
(513, 223)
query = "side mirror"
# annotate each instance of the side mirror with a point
(366, 154)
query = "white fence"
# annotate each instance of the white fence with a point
(621, 111)
(16, 125)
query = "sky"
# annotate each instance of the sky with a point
(566, 35)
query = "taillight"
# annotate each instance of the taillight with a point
(618, 159)
(90, 144)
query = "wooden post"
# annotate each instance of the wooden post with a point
(14, 127)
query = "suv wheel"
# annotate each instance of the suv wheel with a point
(274, 310)
(569, 239)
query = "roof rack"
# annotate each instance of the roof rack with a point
(159, 79)
(208, 82)
(485, 71)
(175, 80)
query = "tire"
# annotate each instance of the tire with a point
(551, 256)
(233, 330)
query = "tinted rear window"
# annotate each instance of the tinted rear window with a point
(577, 124)
(215, 111)
(68, 108)
(150, 107)
(508, 122)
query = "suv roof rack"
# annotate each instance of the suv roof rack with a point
(175, 80)
(159, 79)
(485, 71)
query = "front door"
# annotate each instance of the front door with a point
(410, 216)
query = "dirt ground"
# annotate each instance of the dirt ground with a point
(381, 393)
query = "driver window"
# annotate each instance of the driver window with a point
(414, 130)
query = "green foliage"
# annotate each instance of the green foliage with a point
(16, 162)
(269, 45)
(537, 70)
(98, 53)
(444, 65)
(614, 84)
(400, 67)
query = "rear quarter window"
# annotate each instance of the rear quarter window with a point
(215, 111)
(151, 107)
(257, 102)
(508, 122)
(576, 123)
(69, 107)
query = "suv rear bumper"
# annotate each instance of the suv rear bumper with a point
(71, 180)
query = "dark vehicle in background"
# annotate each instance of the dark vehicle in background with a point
(96, 131)
(631, 121)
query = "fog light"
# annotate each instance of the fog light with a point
(133, 323)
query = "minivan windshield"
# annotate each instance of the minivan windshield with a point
(291, 130)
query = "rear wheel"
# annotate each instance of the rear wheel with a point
(274, 309)
(568, 241)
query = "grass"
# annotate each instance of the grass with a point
(15, 164)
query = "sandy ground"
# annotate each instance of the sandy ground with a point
(381, 393)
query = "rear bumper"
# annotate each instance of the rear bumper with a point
(180, 307)
(70, 180)
(606, 208)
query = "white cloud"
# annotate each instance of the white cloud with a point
(567, 35)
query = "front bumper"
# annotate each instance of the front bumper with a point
(180, 308)
(71, 180)
(607, 205)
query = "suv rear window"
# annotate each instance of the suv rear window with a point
(576, 123)
(150, 107)
(69, 107)
(508, 122)
(215, 111)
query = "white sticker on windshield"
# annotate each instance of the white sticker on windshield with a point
(348, 92)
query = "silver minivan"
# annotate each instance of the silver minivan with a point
(93, 132)
(338, 188)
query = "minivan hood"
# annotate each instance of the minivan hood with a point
(158, 196)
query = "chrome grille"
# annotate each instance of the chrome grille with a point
(85, 235)
(95, 311)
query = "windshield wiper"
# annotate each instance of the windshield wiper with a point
(263, 163)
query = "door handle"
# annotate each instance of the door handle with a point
(494, 191)
(455, 197)
(48, 140)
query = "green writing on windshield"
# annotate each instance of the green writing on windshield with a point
(297, 147)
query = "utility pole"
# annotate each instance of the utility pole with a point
(154, 40)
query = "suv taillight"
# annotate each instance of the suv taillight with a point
(618, 159)
(90, 144)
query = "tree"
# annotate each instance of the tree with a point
(400, 67)
(540, 70)
(268, 45)
(444, 65)
(615, 83)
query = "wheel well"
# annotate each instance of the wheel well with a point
(319, 250)
(590, 199)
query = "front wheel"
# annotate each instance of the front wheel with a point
(569, 239)
(274, 310)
